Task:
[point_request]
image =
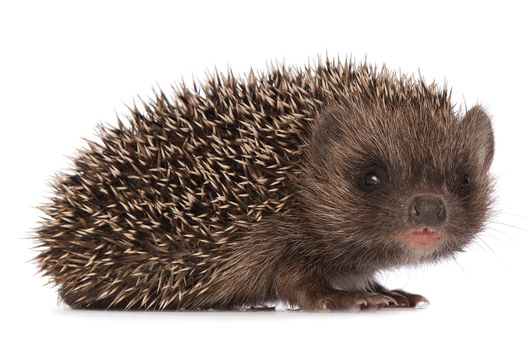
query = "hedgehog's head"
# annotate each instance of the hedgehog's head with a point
(397, 185)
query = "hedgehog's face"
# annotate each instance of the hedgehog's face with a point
(401, 186)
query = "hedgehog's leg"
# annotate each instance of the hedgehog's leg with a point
(315, 293)
(353, 301)
(404, 299)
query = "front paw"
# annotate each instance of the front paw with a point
(405, 299)
(353, 301)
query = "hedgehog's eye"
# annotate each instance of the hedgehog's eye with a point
(464, 184)
(465, 180)
(371, 179)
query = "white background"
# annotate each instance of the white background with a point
(65, 66)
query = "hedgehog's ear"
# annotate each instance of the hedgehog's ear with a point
(478, 128)
(326, 131)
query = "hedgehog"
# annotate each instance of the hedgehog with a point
(294, 185)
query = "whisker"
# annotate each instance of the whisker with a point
(512, 214)
(498, 176)
(496, 256)
(509, 225)
(506, 234)
(479, 241)
(454, 258)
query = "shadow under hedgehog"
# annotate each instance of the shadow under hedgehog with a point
(296, 185)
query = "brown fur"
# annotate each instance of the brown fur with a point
(249, 191)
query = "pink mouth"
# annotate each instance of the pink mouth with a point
(422, 237)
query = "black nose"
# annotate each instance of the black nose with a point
(427, 210)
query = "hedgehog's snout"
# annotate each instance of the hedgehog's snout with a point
(427, 210)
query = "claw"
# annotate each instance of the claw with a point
(362, 302)
(390, 301)
(413, 300)
(401, 300)
(422, 302)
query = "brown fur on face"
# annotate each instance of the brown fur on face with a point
(248, 191)
(414, 152)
